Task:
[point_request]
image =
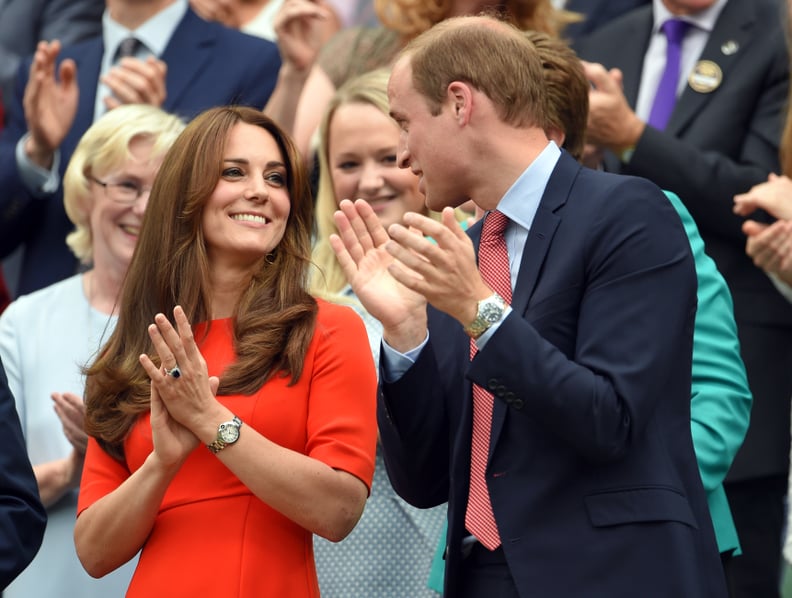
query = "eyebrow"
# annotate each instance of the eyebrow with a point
(270, 164)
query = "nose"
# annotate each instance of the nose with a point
(141, 203)
(371, 179)
(257, 190)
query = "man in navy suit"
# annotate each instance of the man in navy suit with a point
(22, 516)
(180, 62)
(586, 483)
(721, 139)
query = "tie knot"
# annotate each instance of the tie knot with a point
(494, 225)
(128, 47)
(675, 30)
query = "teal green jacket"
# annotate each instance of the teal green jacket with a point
(720, 401)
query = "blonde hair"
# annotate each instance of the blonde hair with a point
(105, 147)
(326, 276)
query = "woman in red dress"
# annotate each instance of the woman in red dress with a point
(220, 448)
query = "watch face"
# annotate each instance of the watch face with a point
(229, 433)
(491, 313)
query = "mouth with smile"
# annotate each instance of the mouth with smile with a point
(132, 230)
(379, 203)
(250, 218)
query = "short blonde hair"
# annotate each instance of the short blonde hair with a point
(105, 147)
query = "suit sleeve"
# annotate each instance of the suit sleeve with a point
(720, 403)
(22, 516)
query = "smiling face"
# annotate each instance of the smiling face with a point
(362, 152)
(115, 226)
(245, 217)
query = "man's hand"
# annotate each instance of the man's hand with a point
(50, 103)
(361, 250)
(612, 124)
(135, 81)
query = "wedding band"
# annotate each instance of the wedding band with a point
(175, 372)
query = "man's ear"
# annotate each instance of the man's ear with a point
(459, 95)
(556, 134)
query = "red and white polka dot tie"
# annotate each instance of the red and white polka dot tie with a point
(494, 268)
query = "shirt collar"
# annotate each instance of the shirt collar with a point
(154, 33)
(522, 199)
(704, 20)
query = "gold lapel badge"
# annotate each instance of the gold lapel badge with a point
(706, 77)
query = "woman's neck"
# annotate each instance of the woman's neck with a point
(102, 289)
(227, 287)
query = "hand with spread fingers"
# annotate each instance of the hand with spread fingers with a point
(50, 102)
(361, 249)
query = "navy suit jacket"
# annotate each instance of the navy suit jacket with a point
(592, 474)
(22, 516)
(208, 65)
(716, 145)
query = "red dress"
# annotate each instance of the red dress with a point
(212, 536)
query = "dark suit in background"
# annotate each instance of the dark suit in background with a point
(23, 23)
(716, 145)
(208, 65)
(591, 471)
(597, 13)
(22, 516)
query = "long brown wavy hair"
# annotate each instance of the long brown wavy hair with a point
(274, 318)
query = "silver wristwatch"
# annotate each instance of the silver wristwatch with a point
(490, 310)
(227, 433)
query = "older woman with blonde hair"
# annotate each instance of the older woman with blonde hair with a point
(46, 337)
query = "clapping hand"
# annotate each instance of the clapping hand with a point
(50, 103)
(178, 404)
(135, 81)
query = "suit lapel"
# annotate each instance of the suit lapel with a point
(188, 50)
(735, 26)
(537, 245)
(636, 36)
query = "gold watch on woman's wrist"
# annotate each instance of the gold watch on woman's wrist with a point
(227, 433)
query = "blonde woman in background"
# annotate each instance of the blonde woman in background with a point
(389, 554)
(46, 337)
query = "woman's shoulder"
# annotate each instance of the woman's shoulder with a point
(41, 302)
